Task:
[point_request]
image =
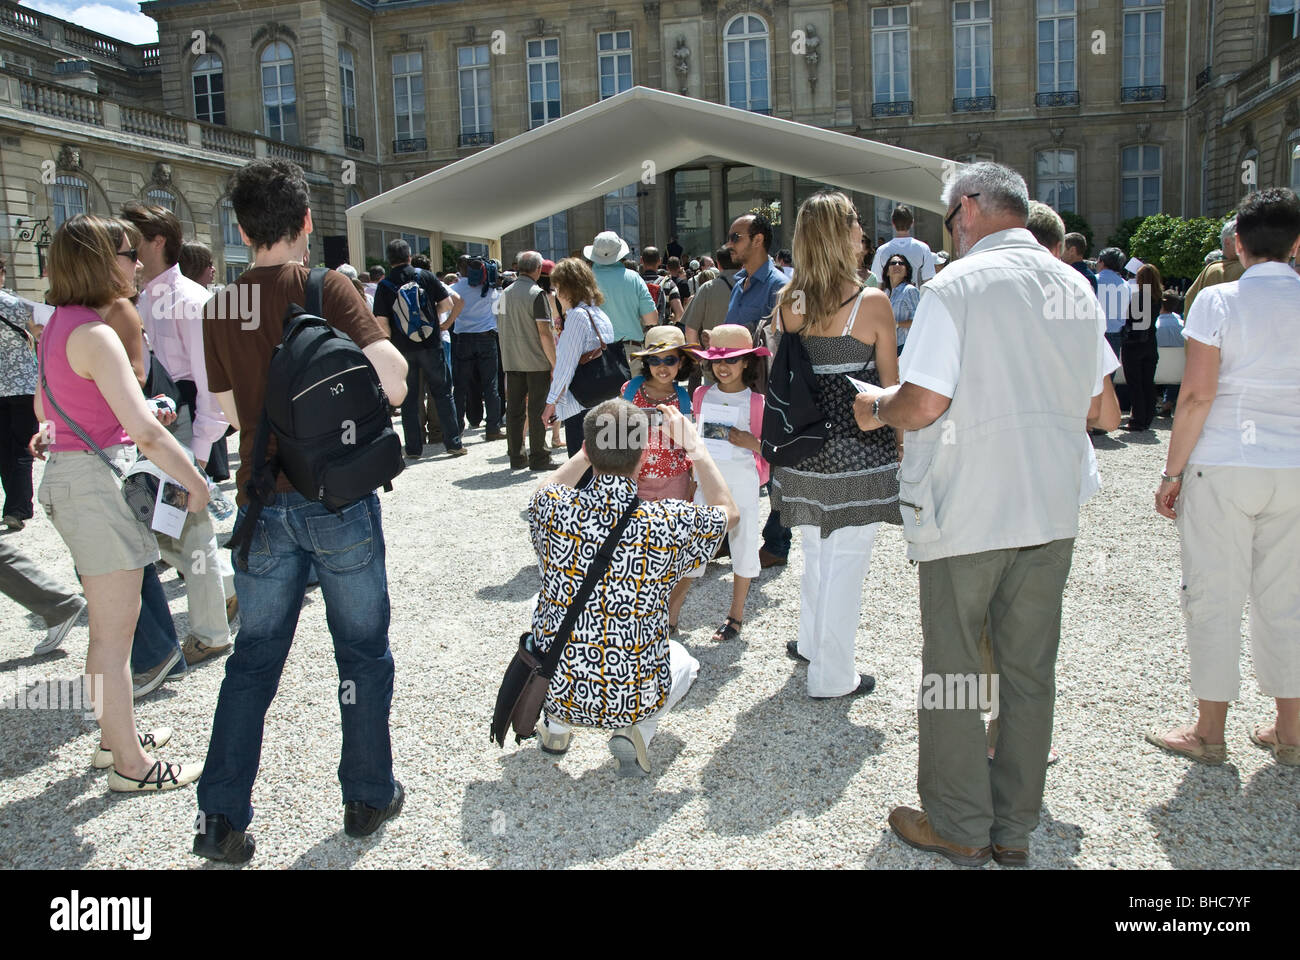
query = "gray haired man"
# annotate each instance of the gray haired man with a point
(994, 401)
(1220, 271)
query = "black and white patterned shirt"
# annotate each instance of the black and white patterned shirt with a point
(17, 362)
(615, 672)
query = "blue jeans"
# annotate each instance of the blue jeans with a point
(1121, 390)
(293, 535)
(155, 633)
(438, 376)
(478, 352)
(776, 538)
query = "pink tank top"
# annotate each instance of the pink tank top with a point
(77, 396)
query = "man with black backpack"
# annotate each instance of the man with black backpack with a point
(663, 290)
(414, 303)
(282, 533)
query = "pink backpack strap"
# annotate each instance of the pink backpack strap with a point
(756, 407)
(697, 400)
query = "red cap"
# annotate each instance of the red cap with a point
(548, 266)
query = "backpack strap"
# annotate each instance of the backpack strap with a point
(633, 386)
(756, 407)
(683, 400)
(697, 401)
(604, 556)
(316, 292)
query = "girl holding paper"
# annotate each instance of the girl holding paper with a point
(729, 417)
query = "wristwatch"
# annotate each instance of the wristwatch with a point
(875, 408)
(1176, 478)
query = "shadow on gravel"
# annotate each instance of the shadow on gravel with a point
(496, 481)
(520, 587)
(537, 815)
(1108, 442)
(1211, 822)
(65, 847)
(773, 770)
(31, 737)
(336, 852)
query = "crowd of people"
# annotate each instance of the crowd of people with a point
(956, 401)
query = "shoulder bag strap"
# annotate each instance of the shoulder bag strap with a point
(77, 429)
(597, 570)
(25, 334)
(594, 329)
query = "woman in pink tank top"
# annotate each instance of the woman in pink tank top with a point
(85, 372)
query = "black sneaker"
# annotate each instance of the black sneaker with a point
(360, 820)
(222, 842)
(792, 651)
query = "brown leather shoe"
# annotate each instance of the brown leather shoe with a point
(913, 827)
(1011, 856)
(768, 559)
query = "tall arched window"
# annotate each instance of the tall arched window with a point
(69, 198)
(279, 94)
(234, 253)
(348, 91)
(209, 89)
(747, 64)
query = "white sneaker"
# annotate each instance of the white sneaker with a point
(151, 680)
(556, 744)
(55, 636)
(152, 740)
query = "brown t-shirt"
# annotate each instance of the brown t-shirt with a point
(238, 345)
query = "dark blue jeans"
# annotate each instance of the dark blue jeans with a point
(1121, 390)
(478, 352)
(155, 633)
(776, 538)
(436, 374)
(347, 550)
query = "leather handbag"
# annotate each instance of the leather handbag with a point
(601, 372)
(528, 677)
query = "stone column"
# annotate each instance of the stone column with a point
(786, 230)
(718, 221)
(663, 220)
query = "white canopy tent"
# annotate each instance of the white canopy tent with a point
(636, 136)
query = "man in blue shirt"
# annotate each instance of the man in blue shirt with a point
(474, 320)
(1114, 293)
(752, 300)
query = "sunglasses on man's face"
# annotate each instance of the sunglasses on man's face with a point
(662, 361)
(734, 238)
(728, 360)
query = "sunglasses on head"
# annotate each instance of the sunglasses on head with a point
(129, 254)
(671, 361)
(727, 359)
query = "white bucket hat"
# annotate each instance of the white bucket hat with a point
(607, 248)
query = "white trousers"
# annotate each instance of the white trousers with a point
(830, 602)
(684, 669)
(741, 476)
(1240, 534)
(209, 580)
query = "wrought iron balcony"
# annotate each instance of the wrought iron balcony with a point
(1141, 94)
(411, 145)
(353, 142)
(1202, 78)
(974, 104)
(483, 138)
(1061, 98)
(895, 108)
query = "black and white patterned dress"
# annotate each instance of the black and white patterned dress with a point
(853, 480)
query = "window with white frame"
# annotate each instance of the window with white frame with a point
(551, 237)
(348, 91)
(543, 81)
(70, 197)
(1143, 43)
(279, 93)
(209, 80)
(1139, 181)
(623, 215)
(747, 64)
(614, 54)
(1057, 179)
(408, 95)
(475, 90)
(972, 29)
(353, 197)
(1283, 23)
(234, 253)
(890, 55)
(418, 243)
(481, 250)
(1056, 32)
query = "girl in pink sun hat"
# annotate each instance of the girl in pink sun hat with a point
(729, 417)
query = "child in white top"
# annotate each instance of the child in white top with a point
(729, 418)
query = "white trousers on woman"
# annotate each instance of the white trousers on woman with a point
(830, 602)
(1240, 531)
(684, 669)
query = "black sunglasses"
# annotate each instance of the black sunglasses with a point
(726, 359)
(947, 221)
(129, 254)
(662, 361)
(734, 238)
(896, 263)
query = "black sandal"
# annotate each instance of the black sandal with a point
(727, 631)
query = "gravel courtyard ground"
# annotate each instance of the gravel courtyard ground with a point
(748, 772)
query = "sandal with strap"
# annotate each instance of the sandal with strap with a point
(727, 631)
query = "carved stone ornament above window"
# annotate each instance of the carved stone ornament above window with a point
(69, 157)
(162, 173)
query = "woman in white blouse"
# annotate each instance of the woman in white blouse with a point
(1232, 484)
(585, 328)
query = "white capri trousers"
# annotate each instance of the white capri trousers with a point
(830, 602)
(745, 539)
(684, 669)
(1240, 532)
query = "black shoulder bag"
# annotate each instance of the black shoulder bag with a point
(523, 691)
(601, 372)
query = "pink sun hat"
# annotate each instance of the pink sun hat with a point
(729, 340)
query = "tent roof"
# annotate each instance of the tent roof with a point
(624, 139)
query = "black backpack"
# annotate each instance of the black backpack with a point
(333, 433)
(794, 427)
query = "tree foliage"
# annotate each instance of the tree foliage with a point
(1076, 224)
(1124, 233)
(1176, 247)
